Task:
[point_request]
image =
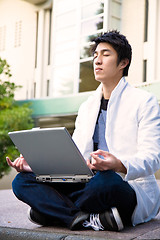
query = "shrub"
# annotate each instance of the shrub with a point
(13, 117)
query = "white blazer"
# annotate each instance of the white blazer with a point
(132, 135)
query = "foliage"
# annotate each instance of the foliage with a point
(13, 117)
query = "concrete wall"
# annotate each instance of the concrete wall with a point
(132, 27)
(18, 18)
(18, 21)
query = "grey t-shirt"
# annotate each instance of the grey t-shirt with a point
(99, 133)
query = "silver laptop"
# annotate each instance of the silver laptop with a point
(52, 155)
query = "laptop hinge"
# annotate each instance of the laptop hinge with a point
(81, 178)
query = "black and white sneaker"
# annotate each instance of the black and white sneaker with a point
(38, 218)
(109, 220)
(77, 222)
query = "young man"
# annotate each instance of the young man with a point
(119, 127)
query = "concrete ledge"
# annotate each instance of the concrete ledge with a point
(14, 224)
(20, 234)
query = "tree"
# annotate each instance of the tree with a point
(13, 117)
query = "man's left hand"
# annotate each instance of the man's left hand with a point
(109, 162)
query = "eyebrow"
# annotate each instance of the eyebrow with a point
(102, 51)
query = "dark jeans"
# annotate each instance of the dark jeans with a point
(62, 201)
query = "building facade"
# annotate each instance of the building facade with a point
(48, 45)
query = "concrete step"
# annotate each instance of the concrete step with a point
(14, 224)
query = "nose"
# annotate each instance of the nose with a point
(98, 60)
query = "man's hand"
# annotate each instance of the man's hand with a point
(109, 162)
(19, 164)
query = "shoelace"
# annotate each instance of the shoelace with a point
(94, 222)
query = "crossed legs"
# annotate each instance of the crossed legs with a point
(63, 201)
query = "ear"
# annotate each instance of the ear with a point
(124, 63)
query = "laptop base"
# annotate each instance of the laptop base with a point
(73, 179)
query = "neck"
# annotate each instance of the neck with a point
(108, 88)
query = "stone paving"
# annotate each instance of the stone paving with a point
(14, 224)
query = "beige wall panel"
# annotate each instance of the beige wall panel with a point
(133, 28)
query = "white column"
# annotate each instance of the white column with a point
(106, 15)
(39, 69)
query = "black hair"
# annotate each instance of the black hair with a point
(119, 43)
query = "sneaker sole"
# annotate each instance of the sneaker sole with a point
(29, 217)
(78, 221)
(117, 218)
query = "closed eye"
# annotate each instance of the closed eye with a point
(94, 57)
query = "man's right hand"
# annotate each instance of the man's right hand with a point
(19, 164)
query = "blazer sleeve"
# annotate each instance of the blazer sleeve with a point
(146, 161)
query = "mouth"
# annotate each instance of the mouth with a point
(98, 69)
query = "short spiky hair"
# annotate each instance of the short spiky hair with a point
(119, 43)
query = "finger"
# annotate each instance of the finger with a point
(9, 162)
(94, 161)
(27, 169)
(90, 165)
(21, 165)
(101, 152)
(98, 151)
(95, 158)
(21, 156)
(88, 161)
(18, 163)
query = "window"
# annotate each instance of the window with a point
(49, 37)
(115, 14)
(43, 19)
(87, 81)
(94, 19)
(65, 47)
(34, 90)
(48, 83)
(77, 23)
(146, 21)
(92, 23)
(144, 70)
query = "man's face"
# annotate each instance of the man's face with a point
(105, 64)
